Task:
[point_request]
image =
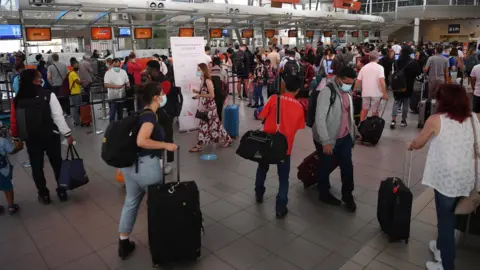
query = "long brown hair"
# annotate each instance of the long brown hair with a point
(452, 100)
(206, 72)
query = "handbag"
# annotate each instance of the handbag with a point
(263, 147)
(468, 205)
(203, 116)
(72, 172)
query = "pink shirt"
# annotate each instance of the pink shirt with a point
(343, 130)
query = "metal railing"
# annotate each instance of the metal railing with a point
(381, 6)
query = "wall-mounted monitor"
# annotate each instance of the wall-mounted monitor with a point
(143, 33)
(292, 33)
(327, 34)
(215, 32)
(341, 34)
(186, 32)
(309, 33)
(38, 33)
(125, 32)
(101, 33)
(269, 33)
(377, 33)
(355, 34)
(366, 34)
(247, 33)
(225, 33)
(10, 31)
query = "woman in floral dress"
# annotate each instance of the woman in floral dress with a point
(211, 130)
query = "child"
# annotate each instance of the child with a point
(270, 76)
(259, 80)
(6, 147)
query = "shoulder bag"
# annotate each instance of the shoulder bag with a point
(263, 147)
(469, 204)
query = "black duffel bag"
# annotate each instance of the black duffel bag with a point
(263, 147)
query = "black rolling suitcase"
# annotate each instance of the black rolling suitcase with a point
(394, 208)
(175, 222)
(371, 128)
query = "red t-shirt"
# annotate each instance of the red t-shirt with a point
(292, 117)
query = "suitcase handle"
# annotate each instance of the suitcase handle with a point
(164, 162)
(407, 169)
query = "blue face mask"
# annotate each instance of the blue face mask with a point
(164, 101)
(116, 69)
(199, 74)
(346, 87)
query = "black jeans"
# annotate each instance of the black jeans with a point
(36, 148)
(167, 124)
(476, 104)
(219, 100)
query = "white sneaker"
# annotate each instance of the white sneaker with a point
(434, 266)
(436, 252)
(168, 168)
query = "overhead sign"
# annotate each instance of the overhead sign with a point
(327, 34)
(292, 33)
(38, 34)
(347, 4)
(309, 33)
(247, 33)
(101, 33)
(341, 34)
(366, 34)
(269, 33)
(454, 28)
(10, 31)
(185, 32)
(215, 32)
(287, 1)
(355, 34)
(143, 33)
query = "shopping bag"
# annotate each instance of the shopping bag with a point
(72, 173)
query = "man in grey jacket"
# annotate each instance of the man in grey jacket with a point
(334, 134)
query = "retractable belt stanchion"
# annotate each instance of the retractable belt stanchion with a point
(95, 130)
(103, 107)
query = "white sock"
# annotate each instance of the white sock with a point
(123, 237)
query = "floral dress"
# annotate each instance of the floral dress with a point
(211, 130)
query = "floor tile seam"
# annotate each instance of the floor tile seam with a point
(77, 259)
(318, 245)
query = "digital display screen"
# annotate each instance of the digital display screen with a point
(366, 34)
(327, 34)
(10, 31)
(397, 56)
(329, 66)
(125, 32)
(216, 33)
(341, 34)
(247, 33)
(143, 33)
(292, 33)
(185, 32)
(269, 33)
(225, 33)
(101, 33)
(309, 33)
(38, 34)
(355, 34)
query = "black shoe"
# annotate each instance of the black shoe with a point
(44, 198)
(125, 248)
(280, 215)
(393, 124)
(62, 194)
(350, 205)
(328, 198)
(259, 198)
(249, 105)
(255, 105)
(403, 123)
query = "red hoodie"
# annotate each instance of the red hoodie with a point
(135, 69)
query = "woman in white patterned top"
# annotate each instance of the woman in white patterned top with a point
(449, 167)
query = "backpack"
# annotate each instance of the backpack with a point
(66, 87)
(119, 145)
(33, 116)
(398, 80)
(217, 87)
(312, 104)
(239, 61)
(174, 102)
(291, 69)
(270, 75)
(471, 62)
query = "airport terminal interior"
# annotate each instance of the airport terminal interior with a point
(82, 233)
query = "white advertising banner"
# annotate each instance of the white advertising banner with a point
(187, 53)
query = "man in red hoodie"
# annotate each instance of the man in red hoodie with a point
(134, 68)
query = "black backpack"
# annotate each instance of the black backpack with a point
(217, 87)
(291, 69)
(174, 101)
(239, 61)
(119, 145)
(398, 80)
(33, 116)
(312, 104)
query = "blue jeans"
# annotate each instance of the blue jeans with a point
(75, 102)
(149, 173)
(445, 207)
(342, 152)
(116, 108)
(283, 170)
(258, 94)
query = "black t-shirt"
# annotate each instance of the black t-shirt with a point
(157, 134)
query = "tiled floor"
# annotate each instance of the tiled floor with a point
(82, 233)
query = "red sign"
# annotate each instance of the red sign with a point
(101, 33)
(347, 4)
(270, 33)
(143, 33)
(38, 34)
(341, 34)
(247, 33)
(309, 33)
(366, 34)
(355, 34)
(215, 32)
(185, 32)
(327, 34)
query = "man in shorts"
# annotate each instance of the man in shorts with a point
(372, 81)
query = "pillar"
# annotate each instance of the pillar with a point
(416, 30)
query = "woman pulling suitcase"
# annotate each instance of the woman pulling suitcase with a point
(147, 171)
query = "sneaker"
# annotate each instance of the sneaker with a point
(393, 124)
(12, 209)
(351, 206)
(328, 198)
(403, 123)
(255, 105)
(281, 215)
(168, 168)
(240, 98)
(125, 248)
(62, 194)
(432, 245)
(434, 266)
(249, 105)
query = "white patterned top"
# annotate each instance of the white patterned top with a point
(450, 161)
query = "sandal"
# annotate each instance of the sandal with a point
(196, 149)
(227, 144)
(12, 209)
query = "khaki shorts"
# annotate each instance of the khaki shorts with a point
(371, 103)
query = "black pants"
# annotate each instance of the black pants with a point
(219, 100)
(167, 124)
(476, 104)
(64, 101)
(52, 147)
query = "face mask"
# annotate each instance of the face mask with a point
(199, 74)
(164, 101)
(346, 87)
(116, 69)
